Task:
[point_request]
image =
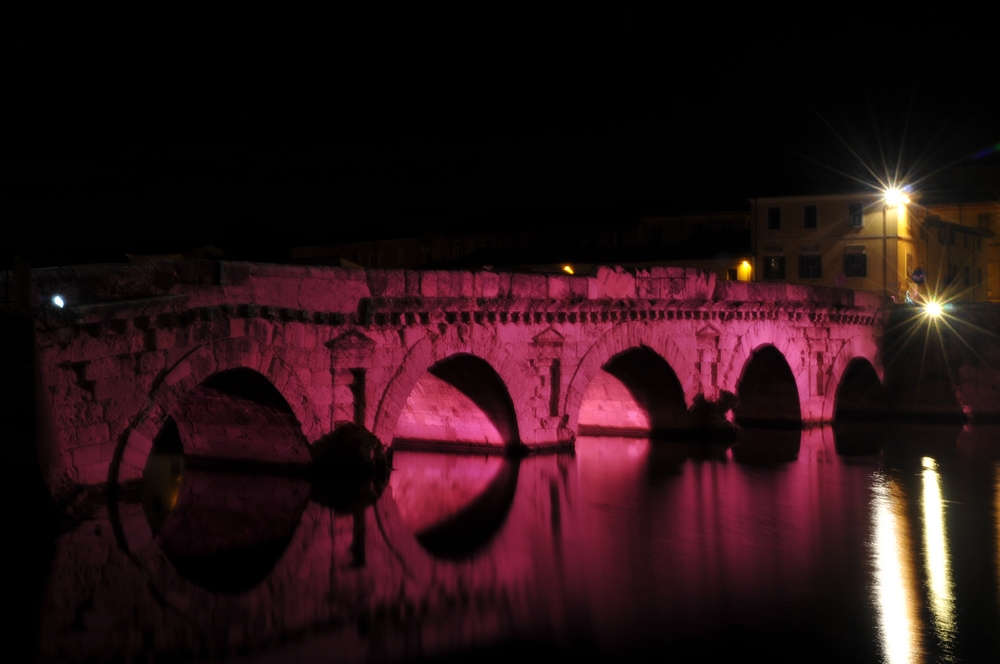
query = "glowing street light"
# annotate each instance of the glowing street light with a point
(894, 197)
(933, 309)
(58, 301)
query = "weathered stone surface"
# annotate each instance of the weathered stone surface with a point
(353, 344)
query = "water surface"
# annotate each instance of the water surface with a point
(863, 545)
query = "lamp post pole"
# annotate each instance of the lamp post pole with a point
(896, 198)
(885, 254)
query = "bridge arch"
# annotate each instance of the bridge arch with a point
(636, 377)
(504, 382)
(192, 370)
(857, 349)
(860, 394)
(459, 399)
(764, 333)
(768, 391)
(618, 342)
(768, 333)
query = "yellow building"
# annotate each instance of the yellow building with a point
(865, 242)
(984, 265)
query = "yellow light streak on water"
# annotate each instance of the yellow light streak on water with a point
(894, 578)
(937, 562)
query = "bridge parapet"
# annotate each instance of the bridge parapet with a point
(334, 289)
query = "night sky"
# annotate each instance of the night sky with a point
(269, 146)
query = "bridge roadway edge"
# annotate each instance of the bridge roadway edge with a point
(133, 337)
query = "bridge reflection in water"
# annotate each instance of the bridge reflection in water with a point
(779, 543)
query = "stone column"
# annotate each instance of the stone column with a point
(547, 361)
(708, 362)
(350, 357)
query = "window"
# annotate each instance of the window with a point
(984, 220)
(774, 267)
(810, 266)
(967, 276)
(809, 216)
(731, 274)
(855, 218)
(951, 237)
(965, 240)
(979, 276)
(773, 218)
(979, 243)
(856, 265)
(942, 235)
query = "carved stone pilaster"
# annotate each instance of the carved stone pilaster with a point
(709, 357)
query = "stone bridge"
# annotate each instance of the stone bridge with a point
(469, 358)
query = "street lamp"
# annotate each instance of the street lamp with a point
(894, 197)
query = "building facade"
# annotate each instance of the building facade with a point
(860, 241)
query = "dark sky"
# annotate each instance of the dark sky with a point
(107, 151)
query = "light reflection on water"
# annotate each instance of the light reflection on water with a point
(895, 577)
(780, 545)
(937, 562)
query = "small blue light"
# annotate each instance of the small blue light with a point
(58, 301)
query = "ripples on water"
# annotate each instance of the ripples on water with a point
(826, 545)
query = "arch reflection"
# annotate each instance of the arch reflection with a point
(763, 446)
(454, 503)
(858, 438)
(221, 529)
(224, 486)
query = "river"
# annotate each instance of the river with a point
(865, 545)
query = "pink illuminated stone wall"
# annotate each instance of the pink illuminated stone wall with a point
(346, 344)
(437, 411)
(608, 405)
(223, 426)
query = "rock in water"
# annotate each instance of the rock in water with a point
(350, 451)
(708, 418)
(350, 467)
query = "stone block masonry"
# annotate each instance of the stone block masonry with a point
(134, 341)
